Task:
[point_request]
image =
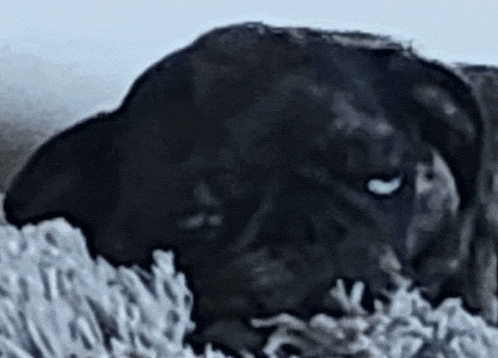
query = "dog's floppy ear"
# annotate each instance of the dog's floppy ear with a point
(453, 125)
(72, 175)
(78, 173)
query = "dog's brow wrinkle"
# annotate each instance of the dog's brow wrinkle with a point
(349, 120)
(440, 101)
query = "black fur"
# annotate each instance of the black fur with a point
(251, 153)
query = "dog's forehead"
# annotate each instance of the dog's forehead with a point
(349, 119)
(354, 124)
(351, 109)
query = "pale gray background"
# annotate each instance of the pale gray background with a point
(67, 59)
(62, 60)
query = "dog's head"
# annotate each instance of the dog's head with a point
(274, 160)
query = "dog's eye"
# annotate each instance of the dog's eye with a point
(385, 186)
(199, 220)
(194, 221)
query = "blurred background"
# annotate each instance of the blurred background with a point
(63, 60)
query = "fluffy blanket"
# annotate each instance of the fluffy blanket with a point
(56, 301)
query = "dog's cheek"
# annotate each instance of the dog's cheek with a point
(453, 110)
(434, 243)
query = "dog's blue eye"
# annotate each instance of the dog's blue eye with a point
(385, 186)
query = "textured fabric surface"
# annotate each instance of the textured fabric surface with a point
(56, 301)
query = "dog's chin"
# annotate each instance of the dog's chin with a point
(263, 282)
(259, 284)
(266, 282)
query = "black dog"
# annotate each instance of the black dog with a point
(273, 160)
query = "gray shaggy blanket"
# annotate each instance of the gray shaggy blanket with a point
(56, 301)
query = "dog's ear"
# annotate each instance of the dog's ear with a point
(72, 175)
(451, 121)
(76, 174)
